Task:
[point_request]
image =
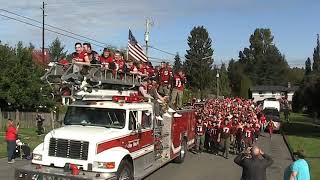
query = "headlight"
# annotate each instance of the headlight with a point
(106, 165)
(37, 157)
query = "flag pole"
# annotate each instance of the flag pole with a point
(128, 46)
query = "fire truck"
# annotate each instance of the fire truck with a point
(108, 132)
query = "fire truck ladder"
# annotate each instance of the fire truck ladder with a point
(83, 77)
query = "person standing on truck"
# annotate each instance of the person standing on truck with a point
(179, 81)
(165, 76)
(11, 137)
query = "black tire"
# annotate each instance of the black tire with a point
(125, 171)
(182, 153)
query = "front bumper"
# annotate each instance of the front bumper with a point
(51, 173)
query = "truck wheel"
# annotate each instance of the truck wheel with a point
(183, 152)
(125, 171)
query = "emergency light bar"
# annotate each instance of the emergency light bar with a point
(128, 99)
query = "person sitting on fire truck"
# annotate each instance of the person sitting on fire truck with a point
(106, 58)
(92, 55)
(143, 91)
(80, 56)
(177, 91)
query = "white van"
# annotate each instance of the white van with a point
(271, 104)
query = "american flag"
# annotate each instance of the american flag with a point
(135, 51)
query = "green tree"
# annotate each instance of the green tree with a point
(20, 78)
(235, 72)
(57, 50)
(308, 68)
(177, 63)
(245, 85)
(199, 60)
(316, 57)
(262, 61)
(224, 84)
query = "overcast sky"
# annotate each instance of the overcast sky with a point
(294, 23)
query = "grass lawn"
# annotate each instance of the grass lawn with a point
(27, 135)
(303, 134)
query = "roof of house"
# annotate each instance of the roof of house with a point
(274, 88)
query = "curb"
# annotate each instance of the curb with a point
(287, 144)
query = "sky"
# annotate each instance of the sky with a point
(294, 23)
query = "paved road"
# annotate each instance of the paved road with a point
(202, 167)
(211, 167)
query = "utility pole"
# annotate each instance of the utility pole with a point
(43, 15)
(217, 76)
(149, 23)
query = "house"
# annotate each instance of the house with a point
(260, 93)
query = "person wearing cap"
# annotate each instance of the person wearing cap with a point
(11, 137)
(254, 163)
(299, 169)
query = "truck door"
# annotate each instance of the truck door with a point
(146, 136)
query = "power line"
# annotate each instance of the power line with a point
(152, 47)
(66, 35)
(34, 20)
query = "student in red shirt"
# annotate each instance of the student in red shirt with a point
(11, 137)
(106, 58)
(164, 79)
(79, 56)
(177, 91)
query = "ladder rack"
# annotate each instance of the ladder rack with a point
(101, 82)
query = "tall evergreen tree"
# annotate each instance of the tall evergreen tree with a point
(316, 57)
(224, 85)
(262, 61)
(308, 68)
(199, 60)
(177, 63)
(57, 50)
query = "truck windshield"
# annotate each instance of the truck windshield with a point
(88, 116)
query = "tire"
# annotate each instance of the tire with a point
(125, 171)
(182, 153)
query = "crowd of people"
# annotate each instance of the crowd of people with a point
(109, 59)
(230, 124)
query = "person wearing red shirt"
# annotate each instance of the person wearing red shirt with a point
(263, 122)
(248, 134)
(11, 137)
(164, 79)
(80, 56)
(215, 134)
(106, 58)
(200, 135)
(177, 91)
(226, 135)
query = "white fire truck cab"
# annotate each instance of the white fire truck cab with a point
(109, 134)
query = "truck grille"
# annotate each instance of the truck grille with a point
(68, 148)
